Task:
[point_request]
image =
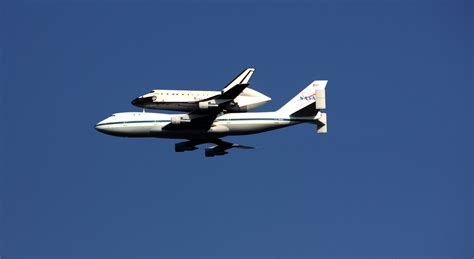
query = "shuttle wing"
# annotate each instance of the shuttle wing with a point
(210, 108)
(242, 79)
(234, 88)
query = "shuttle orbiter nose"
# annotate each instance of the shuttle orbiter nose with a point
(142, 101)
(136, 101)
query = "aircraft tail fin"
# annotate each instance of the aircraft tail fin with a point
(312, 98)
(235, 87)
(308, 105)
(242, 79)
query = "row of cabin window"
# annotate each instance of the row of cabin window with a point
(181, 94)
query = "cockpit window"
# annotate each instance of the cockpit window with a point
(152, 92)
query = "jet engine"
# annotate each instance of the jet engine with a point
(180, 120)
(181, 147)
(207, 105)
(210, 152)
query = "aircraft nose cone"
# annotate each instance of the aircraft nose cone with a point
(143, 101)
(99, 128)
(137, 101)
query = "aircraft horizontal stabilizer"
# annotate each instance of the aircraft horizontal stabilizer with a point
(322, 124)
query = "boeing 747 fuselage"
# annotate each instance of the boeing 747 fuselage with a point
(209, 126)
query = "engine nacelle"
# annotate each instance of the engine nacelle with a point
(181, 147)
(234, 107)
(210, 152)
(180, 120)
(207, 105)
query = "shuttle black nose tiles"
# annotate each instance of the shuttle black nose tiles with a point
(142, 102)
(135, 101)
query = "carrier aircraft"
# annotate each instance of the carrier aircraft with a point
(209, 125)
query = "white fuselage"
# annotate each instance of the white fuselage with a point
(144, 124)
(188, 100)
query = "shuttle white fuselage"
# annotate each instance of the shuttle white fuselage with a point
(189, 100)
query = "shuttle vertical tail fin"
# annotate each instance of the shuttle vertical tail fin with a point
(242, 79)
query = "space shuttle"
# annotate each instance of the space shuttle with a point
(192, 100)
(210, 126)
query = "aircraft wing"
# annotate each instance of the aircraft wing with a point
(197, 120)
(242, 79)
(210, 108)
(234, 88)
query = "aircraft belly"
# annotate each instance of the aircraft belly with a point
(137, 131)
(124, 130)
(243, 128)
(187, 107)
(216, 131)
(187, 134)
(174, 106)
(220, 129)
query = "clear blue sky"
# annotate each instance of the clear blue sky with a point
(392, 178)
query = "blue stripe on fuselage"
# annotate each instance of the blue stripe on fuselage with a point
(237, 119)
